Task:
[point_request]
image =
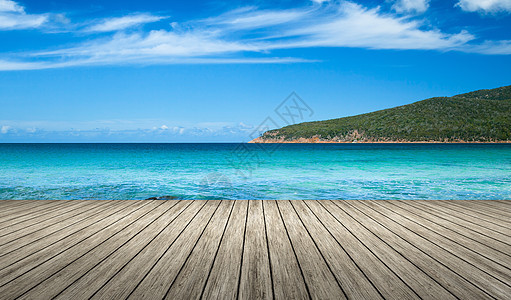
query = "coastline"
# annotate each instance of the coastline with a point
(319, 141)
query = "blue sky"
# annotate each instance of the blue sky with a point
(206, 71)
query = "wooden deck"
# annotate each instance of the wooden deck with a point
(255, 249)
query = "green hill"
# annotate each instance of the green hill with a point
(480, 116)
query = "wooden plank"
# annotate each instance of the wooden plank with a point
(19, 262)
(466, 254)
(320, 280)
(488, 206)
(419, 281)
(503, 230)
(15, 233)
(395, 222)
(23, 208)
(7, 205)
(192, 277)
(287, 278)
(501, 203)
(28, 280)
(448, 215)
(152, 286)
(225, 273)
(353, 281)
(255, 249)
(388, 284)
(498, 257)
(481, 212)
(122, 284)
(45, 219)
(448, 223)
(24, 214)
(29, 212)
(96, 275)
(40, 236)
(451, 281)
(256, 282)
(51, 286)
(497, 205)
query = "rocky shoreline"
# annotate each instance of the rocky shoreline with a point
(317, 140)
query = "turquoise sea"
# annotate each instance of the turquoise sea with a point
(255, 171)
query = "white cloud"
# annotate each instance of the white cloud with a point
(485, 6)
(13, 16)
(248, 35)
(125, 22)
(121, 130)
(5, 129)
(346, 25)
(352, 25)
(490, 47)
(252, 18)
(10, 6)
(410, 6)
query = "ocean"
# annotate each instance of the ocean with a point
(255, 171)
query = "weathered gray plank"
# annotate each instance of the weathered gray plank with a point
(41, 236)
(28, 213)
(288, 282)
(387, 283)
(452, 223)
(255, 270)
(68, 273)
(489, 207)
(130, 275)
(466, 254)
(22, 208)
(470, 208)
(255, 249)
(419, 281)
(7, 205)
(455, 211)
(474, 275)
(37, 275)
(44, 220)
(96, 275)
(473, 244)
(192, 277)
(19, 262)
(224, 276)
(318, 276)
(152, 286)
(351, 278)
(468, 225)
(451, 281)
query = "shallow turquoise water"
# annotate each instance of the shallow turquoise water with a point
(252, 171)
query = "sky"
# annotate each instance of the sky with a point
(224, 71)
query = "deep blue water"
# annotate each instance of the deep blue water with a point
(255, 171)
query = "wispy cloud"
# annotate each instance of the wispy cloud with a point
(248, 35)
(122, 23)
(249, 18)
(485, 6)
(5, 129)
(122, 130)
(10, 6)
(14, 17)
(491, 47)
(352, 25)
(410, 6)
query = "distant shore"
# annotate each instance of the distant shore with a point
(319, 141)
